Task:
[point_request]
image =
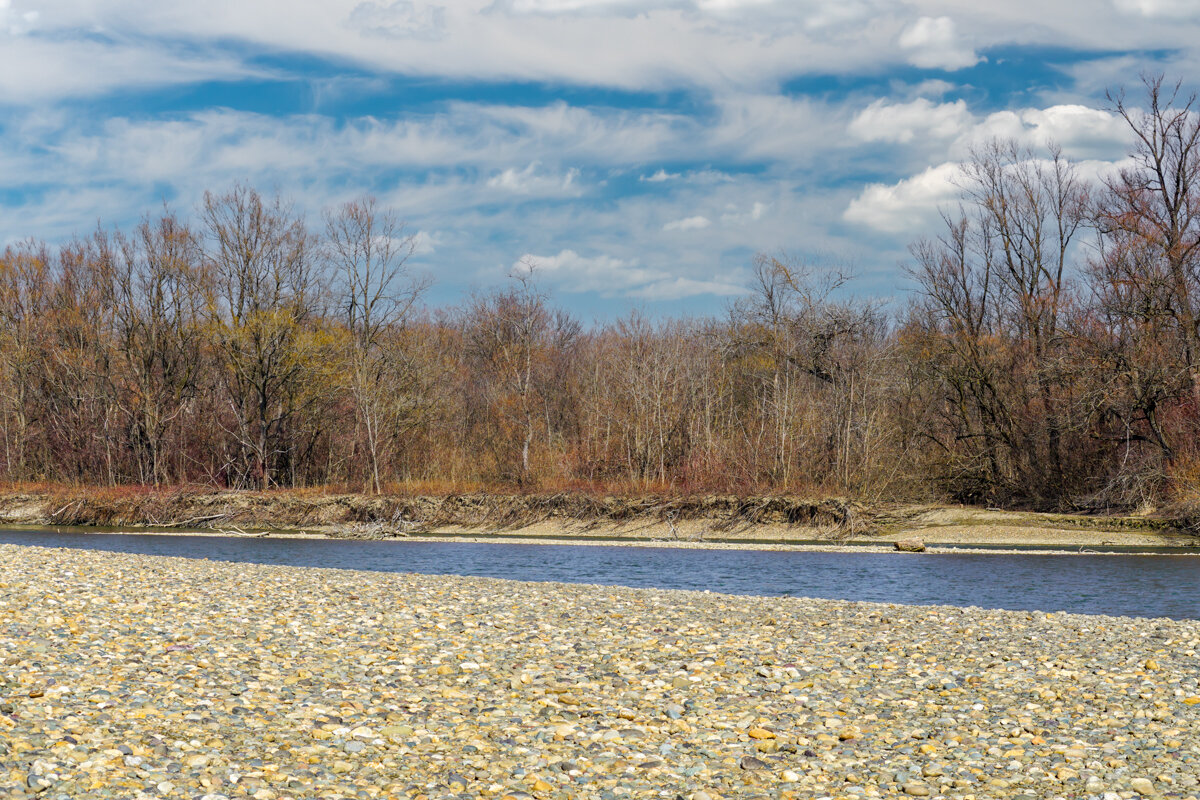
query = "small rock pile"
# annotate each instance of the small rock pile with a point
(126, 676)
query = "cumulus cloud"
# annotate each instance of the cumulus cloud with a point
(902, 122)
(910, 204)
(933, 43)
(575, 273)
(914, 203)
(1083, 132)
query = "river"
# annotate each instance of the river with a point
(1123, 585)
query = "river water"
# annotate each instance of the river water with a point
(1128, 585)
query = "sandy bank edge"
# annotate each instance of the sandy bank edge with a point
(992, 540)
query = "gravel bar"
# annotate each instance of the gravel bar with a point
(125, 676)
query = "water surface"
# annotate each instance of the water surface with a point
(1131, 585)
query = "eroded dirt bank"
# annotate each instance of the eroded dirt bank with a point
(575, 516)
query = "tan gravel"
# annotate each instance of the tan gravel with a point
(129, 676)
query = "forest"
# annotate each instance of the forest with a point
(1047, 355)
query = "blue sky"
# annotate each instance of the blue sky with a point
(640, 153)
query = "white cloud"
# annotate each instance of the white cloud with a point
(14, 22)
(484, 181)
(222, 144)
(902, 122)
(933, 43)
(718, 45)
(617, 277)
(910, 204)
(575, 273)
(733, 216)
(531, 181)
(934, 87)
(400, 19)
(659, 177)
(35, 69)
(688, 224)
(1082, 132)
(930, 130)
(680, 287)
(641, 7)
(1160, 8)
(775, 127)
(913, 204)
(425, 242)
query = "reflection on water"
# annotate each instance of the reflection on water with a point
(1097, 584)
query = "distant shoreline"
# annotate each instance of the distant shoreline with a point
(1129, 544)
(710, 522)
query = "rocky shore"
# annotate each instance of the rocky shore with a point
(134, 677)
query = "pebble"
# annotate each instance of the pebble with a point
(1142, 786)
(127, 676)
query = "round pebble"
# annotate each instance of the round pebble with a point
(126, 676)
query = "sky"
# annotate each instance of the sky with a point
(638, 152)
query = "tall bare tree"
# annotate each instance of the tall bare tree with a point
(510, 334)
(995, 287)
(1157, 201)
(264, 311)
(159, 286)
(369, 249)
(801, 345)
(25, 297)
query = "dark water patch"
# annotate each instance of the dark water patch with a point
(1128, 585)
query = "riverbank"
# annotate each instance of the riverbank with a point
(940, 529)
(134, 676)
(580, 518)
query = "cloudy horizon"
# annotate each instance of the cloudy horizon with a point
(639, 153)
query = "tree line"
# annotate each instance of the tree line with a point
(1048, 356)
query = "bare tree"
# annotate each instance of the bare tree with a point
(264, 304)
(995, 287)
(804, 347)
(25, 296)
(510, 334)
(369, 250)
(158, 290)
(1152, 208)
